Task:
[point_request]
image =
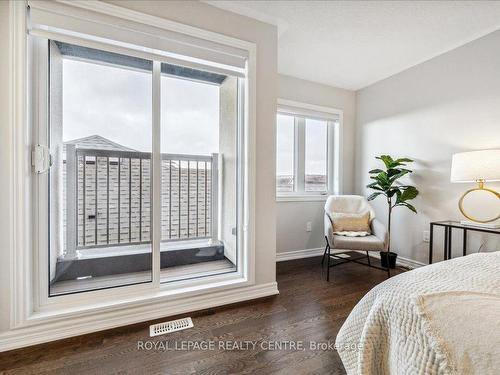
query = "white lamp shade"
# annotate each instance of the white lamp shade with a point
(476, 165)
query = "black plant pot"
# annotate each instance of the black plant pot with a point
(388, 259)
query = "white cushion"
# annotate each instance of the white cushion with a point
(367, 243)
(352, 234)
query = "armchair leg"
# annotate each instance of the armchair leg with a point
(324, 254)
(368, 258)
(328, 263)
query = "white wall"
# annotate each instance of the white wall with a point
(445, 105)
(292, 216)
(202, 16)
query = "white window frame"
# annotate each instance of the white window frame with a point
(44, 302)
(334, 117)
(38, 318)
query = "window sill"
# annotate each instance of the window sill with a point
(302, 198)
(134, 296)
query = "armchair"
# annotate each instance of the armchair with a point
(376, 241)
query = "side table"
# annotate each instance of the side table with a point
(448, 226)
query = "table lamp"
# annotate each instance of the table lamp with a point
(479, 167)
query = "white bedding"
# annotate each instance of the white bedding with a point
(393, 329)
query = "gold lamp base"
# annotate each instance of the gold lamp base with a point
(473, 220)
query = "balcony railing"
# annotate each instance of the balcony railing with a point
(108, 197)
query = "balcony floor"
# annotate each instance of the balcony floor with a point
(105, 267)
(166, 275)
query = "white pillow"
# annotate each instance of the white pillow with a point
(352, 234)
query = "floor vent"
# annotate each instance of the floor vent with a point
(169, 327)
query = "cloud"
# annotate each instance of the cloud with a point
(116, 103)
(315, 146)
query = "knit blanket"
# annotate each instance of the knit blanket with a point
(397, 328)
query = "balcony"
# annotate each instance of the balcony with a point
(107, 216)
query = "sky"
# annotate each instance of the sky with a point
(284, 145)
(315, 146)
(116, 104)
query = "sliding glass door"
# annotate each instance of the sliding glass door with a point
(100, 204)
(100, 116)
(198, 152)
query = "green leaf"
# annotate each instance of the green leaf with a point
(393, 171)
(404, 160)
(391, 163)
(374, 195)
(407, 205)
(401, 173)
(392, 191)
(409, 193)
(376, 171)
(386, 159)
(375, 186)
(383, 180)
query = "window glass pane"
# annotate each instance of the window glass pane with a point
(285, 141)
(199, 130)
(100, 108)
(316, 155)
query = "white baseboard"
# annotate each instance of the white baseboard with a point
(308, 253)
(410, 263)
(299, 254)
(400, 261)
(56, 330)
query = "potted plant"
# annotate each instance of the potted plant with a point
(397, 195)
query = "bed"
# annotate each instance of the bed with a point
(439, 319)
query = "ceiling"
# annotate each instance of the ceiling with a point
(352, 44)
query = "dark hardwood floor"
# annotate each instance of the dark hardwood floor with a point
(307, 310)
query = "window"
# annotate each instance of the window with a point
(146, 183)
(285, 173)
(315, 158)
(100, 133)
(198, 146)
(307, 151)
